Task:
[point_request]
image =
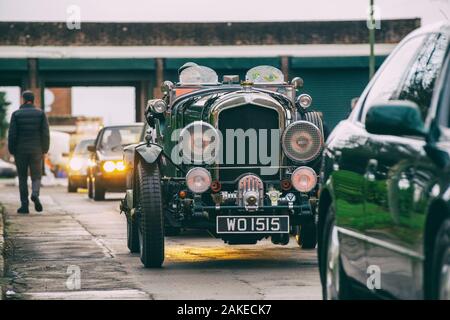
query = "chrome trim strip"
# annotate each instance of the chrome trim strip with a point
(382, 243)
(241, 98)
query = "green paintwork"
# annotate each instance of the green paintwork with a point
(96, 64)
(223, 63)
(13, 65)
(334, 62)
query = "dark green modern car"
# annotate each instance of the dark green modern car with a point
(239, 159)
(384, 208)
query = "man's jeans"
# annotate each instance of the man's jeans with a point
(33, 162)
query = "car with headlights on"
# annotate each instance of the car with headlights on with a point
(78, 166)
(239, 159)
(384, 208)
(107, 171)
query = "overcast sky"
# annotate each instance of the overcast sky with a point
(225, 10)
(107, 100)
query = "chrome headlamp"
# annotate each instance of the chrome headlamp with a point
(198, 180)
(304, 179)
(304, 100)
(302, 141)
(157, 105)
(199, 142)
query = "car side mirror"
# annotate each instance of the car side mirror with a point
(396, 117)
(91, 148)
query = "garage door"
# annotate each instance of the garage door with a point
(332, 90)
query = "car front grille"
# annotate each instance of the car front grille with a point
(246, 117)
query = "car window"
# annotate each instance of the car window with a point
(388, 81)
(81, 147)
(115, 138)
(421, 77)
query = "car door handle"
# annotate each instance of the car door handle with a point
(371, 170)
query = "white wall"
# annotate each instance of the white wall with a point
(114, 104)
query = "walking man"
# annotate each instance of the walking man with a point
(28, 141)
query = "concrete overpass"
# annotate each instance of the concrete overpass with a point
(38, 55)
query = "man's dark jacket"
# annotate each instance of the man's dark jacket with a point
(28, 131)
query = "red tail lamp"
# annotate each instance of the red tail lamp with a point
(286, 184)
(215, 186)
(182, 194)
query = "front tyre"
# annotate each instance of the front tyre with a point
(99, 190)
(151, 221)
(89, 188)
(440, 281)
(70, 187)
(306, 235)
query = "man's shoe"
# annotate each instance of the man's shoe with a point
(37, 203)
(23, 210)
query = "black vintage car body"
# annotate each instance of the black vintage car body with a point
(384, 208)
(194, 172)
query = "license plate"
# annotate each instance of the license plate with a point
(252, 224)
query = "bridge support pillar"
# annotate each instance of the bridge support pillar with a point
(34, 84)
(159, 77)
(142, 94)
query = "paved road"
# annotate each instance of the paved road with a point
(46, 250)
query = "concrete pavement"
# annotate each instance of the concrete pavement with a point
(76, 249)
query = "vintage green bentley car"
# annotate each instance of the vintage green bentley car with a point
(239, 159)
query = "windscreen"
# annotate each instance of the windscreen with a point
(198, 75)
(116, 138)
(265, 74)
(81, 147)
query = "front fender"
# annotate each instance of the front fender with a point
(149, 153)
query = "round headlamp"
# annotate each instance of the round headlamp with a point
(76, 164)
(302, 141)
(198, 180)
(304, 179)
(109, 166)
(159, 106)
(120, 166)
(199, 142)
(304, 100)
